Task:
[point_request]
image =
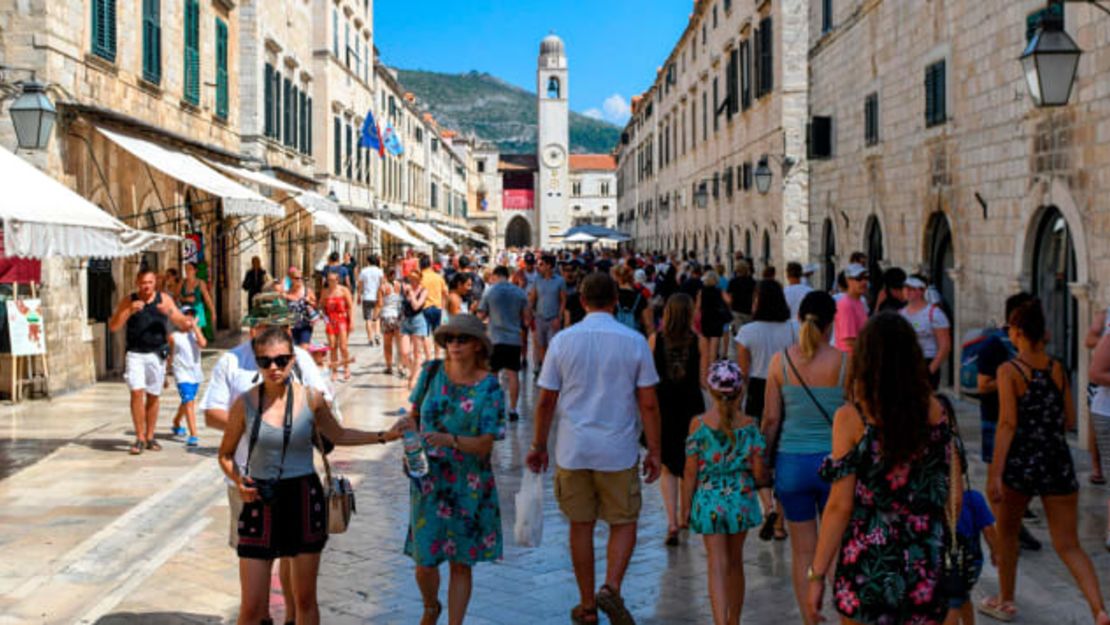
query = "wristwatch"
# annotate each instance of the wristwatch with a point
(537, 447)
(381, 437)
(455, 441)
(814, 577)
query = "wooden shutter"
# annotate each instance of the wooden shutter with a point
(277, 106)
(303, 130)
(767, 63)
(269, 100)
(308, 150)
(940, 99)
(338, 149)
(732, 83)
(221, 69)
(757, 57)
(104, 29)
(192, 52)
(152, 42)
(745, 75)
(287, 119)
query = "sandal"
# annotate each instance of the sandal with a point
(136, 447)
(672, 538)
(613, 607)
(153, 445)
(1097, 480)
(767, 531)
(431, 613)
(998, 610)
(583, 616)
(780, 534)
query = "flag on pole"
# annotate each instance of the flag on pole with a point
(391, 141)
(370, 137)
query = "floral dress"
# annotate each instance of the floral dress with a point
(725, 500)
(455, 515)
(890, 560)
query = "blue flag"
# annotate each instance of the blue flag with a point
(392, 141)
(370, 137)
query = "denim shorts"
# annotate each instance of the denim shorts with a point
(415, 325)
(987, 442)
(798, 486)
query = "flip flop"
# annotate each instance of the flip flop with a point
(136, 447)
(767, 531)
(153, 445)
(999, 610)
(583, 616)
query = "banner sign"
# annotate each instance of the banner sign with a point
(192, 250)
(518, 199)
(25, 327)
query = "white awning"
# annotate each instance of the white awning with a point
(399, 233)
(431, 234)
(257, 177)
(331, 220)
(238, 201)
(44, 218)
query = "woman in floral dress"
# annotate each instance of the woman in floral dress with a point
(884, 520)
(723, 461)
(455, 515)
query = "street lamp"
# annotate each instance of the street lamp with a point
(763, 177)
(1050, 61)
(33, 116)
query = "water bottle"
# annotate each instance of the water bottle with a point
(416, 461)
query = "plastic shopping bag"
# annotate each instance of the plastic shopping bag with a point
(528, 529)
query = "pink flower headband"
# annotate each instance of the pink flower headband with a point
(725, 377)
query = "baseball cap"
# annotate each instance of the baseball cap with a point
(914, 282)
(529, 258)
(810, 269)
(855, 271)
(188, 310)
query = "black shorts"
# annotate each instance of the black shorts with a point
(505, 357)
(294, 523)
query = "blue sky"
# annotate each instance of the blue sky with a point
(613, 46)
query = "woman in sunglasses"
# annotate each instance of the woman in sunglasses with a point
(302, 303)
(455, 515)
(283, 500)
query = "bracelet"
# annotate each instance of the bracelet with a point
(537, 447)
(381, 437)
(455, 441)
(814, 577)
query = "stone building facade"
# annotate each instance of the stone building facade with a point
(731, 94)
(593, 190)
(958, 174)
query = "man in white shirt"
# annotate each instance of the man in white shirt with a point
(601, 377)
(235, 373)
(369, 281)
(795, 289)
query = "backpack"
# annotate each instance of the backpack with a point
(627, 316)
(969, 358)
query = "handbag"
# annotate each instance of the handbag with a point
(773, 444)
(338, 493)
(958, 566)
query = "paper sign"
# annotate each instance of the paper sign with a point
(26, 328)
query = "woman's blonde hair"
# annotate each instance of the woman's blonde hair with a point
(710, 278)
(816, 313)
(728, 407)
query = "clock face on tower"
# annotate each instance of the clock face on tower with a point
(553, 156)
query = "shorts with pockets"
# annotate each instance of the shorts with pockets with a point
(545, 331)
(187, 391)
(145, 372)
(369, 310)
(505, 357)
(586, 495)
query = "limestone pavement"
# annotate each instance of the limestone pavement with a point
(91, 535)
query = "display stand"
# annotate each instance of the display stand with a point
(24, 371)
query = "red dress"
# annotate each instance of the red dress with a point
(339, 321)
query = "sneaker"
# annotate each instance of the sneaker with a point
(192, 442)
(179, 431)
(1028, 541)
(514, 416)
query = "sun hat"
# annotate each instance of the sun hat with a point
(463, 325)
(725, 377)
(269, 309)
(855, 271)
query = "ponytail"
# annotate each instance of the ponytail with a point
(816, 313)
(810, 337)
(728, 407)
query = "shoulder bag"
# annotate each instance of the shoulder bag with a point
(338, 493)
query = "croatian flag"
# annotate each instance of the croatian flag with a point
(391, 141)
(370, 137)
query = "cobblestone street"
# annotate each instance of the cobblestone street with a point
(92, 535)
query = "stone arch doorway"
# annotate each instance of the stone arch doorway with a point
(518, 233)
(873, 246)
(828, 256)
(940, 259)
(1053, 269)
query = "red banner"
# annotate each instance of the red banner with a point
(518, 199)
(14, 269)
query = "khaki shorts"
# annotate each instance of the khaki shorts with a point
(585, 495)
(235, 508)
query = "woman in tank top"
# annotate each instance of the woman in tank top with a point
(391, 301)
(805, 388)
(283, 500)
(194, 292)
(301, 303)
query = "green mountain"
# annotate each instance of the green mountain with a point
(498, 112)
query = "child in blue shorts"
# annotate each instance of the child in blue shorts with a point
(185, 359)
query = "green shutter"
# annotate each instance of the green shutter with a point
(192, 52)
(104, 29)
(221, 69)
(303, 133)
(309, 131)
(269, 101)
(338, 147)
(152, 41)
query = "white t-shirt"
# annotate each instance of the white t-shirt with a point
(371, 279)
(597, 365)
(764, 339)
(1100, 403)
(924, 322)
(795, 293)
(186, 358)
(236, 372)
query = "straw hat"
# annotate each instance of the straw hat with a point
(269, 309)
(463, 325)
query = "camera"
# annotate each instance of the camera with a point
(267, 490)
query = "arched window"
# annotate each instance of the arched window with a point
(766, 249)
(1054, 267)
(553, 88)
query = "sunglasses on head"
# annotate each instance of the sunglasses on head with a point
(461, 339)
(282, 361)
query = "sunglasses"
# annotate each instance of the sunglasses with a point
(282, 361)
(460, 339)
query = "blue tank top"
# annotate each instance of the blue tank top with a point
(805, 430)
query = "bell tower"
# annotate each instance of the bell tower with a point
(553, 142)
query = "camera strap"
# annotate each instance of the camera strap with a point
(286, 428)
